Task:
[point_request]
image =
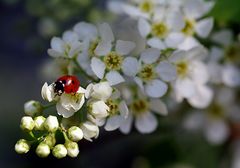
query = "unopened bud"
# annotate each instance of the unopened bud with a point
(59, 151)
(51, 124)
(32, 108)
(50, 140)
(39, 122)
(75, 133)
(22, 146)
(72, 149)
(42, 150)
(27, 123)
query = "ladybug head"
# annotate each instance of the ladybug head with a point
(58, 87)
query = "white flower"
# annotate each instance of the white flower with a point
(59, 151)
(67, 47)
(213, 121)
(192, 77)
(32, 108)
(51, 124)
(90, 130)
(117, 112)
(68, 104)
(47, 92)
(72, 149)
(22, 146)
(43, 150)
(141, 109)
(150, 75)
(75, 133)
(39, 122)
(100, 91)
(27, 123)
(99, 109)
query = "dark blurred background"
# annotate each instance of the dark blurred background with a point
(26, 29)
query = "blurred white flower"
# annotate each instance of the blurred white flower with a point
(192, 77)
(32, 108)
(90, 130)
(141, 108)
(66, 47)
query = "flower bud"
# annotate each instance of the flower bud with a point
(50, 140)
(32, 108)
(72, 149)
(27, 123)
(75, 133)
(43, 150)
(51, 124)
(22, 146)
(90, 130)
(101, 91)
(59, 151)
(99, 109)
(39, 123)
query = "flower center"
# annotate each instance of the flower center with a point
(113, 61)
(139, 106)
(160, 30)
(113, 107)
(182, 69)
(147, 73)
(232, 53)
(92, 47)
(215, 111)
(189, 27)
(146, 6)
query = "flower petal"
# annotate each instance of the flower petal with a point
(57, 44)
(150, 55)
(126, 124)
(103, 48)
(143, 27)
(158, 106)
(105, 32)
(166, 71)
(156, 43)
(114, 78)
(217, 132)
(188, 43)
(98, 67)
(130, 66)
(174, 39)
(204, 27)
(113, 123)
(146, 123)
(231, 75)
(123, 108)
(185, 87)
(124, 47)
(86, 31)
(66, 113)
(139, 82)
(47, 92)
(202, 97)
(156, 88)
(223, 37)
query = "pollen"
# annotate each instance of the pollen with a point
(113, 61)
(92, 47)
(146, 6)
(215, 111)
(189, 27)
(160, 30)
(147, 73)
(139, 106)
(113, 107)
(182, 69)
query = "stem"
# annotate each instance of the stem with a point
(31, 134)
(48, 106)
(82, 71)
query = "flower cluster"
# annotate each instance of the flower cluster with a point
(128, 82)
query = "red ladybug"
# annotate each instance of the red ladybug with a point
(66, 84)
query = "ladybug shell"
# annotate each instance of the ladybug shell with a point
(71, 83)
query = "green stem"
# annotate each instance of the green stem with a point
(48, 106)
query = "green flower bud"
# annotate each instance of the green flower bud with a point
(72, 149)
(43, 150)
(27, 123)
(59, 151)
(75, 133)
(33, 108)
(50, 140)
(51, 124)
(39, 123)
(22, 146)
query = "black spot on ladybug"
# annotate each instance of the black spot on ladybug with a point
(64, 81)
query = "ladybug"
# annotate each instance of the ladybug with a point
(66, 84)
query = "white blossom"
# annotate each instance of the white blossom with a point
(90, 130)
